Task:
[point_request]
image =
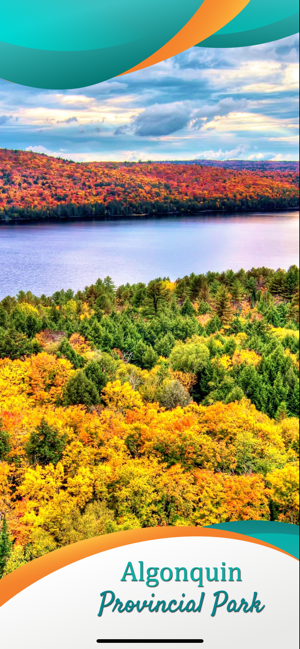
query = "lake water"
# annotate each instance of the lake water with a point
(45, 257)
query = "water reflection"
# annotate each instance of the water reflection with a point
(44, 257)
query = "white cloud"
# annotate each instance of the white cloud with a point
(244, 121)
(114, 112)
(291, 77)
(39, 149)
(260, 76)
(256, 156)
(74, 99)
(233, 154)
(287, 138)
(280, 157)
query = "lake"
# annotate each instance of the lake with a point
(45, 257)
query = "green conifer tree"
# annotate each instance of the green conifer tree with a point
(281, 412)
(294, 307)
(95, 374)
(156, 297)
(279, 394)
(66, 350)
(149, 358)
(96, 334)
(45, 445)
(80, 390)
(293, 401)
(5, 546)
(187, 308)
(107, 342)
(4, 442)
(236, 290)
(223, 305)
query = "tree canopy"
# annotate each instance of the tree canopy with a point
(172, 403)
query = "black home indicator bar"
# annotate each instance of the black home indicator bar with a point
(164, 641)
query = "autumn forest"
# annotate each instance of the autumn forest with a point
(38, 186)
(167, 403)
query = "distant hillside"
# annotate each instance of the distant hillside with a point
(257, 165)
(38, 186)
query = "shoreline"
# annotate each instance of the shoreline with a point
(143, 216)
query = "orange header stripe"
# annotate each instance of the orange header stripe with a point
(28, 574)
(211, 16)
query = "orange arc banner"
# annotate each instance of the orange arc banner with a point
(32, 572)
(211, 16)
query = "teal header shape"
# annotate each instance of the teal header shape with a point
(72, 44)
(66, 44)
(261, 21)
(283, 536)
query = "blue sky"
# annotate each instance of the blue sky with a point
(205, 103)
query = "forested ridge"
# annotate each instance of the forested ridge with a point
(38, 186)
(172, 403)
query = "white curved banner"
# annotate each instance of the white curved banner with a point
(187, 591)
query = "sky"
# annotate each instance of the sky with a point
(205, 103)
